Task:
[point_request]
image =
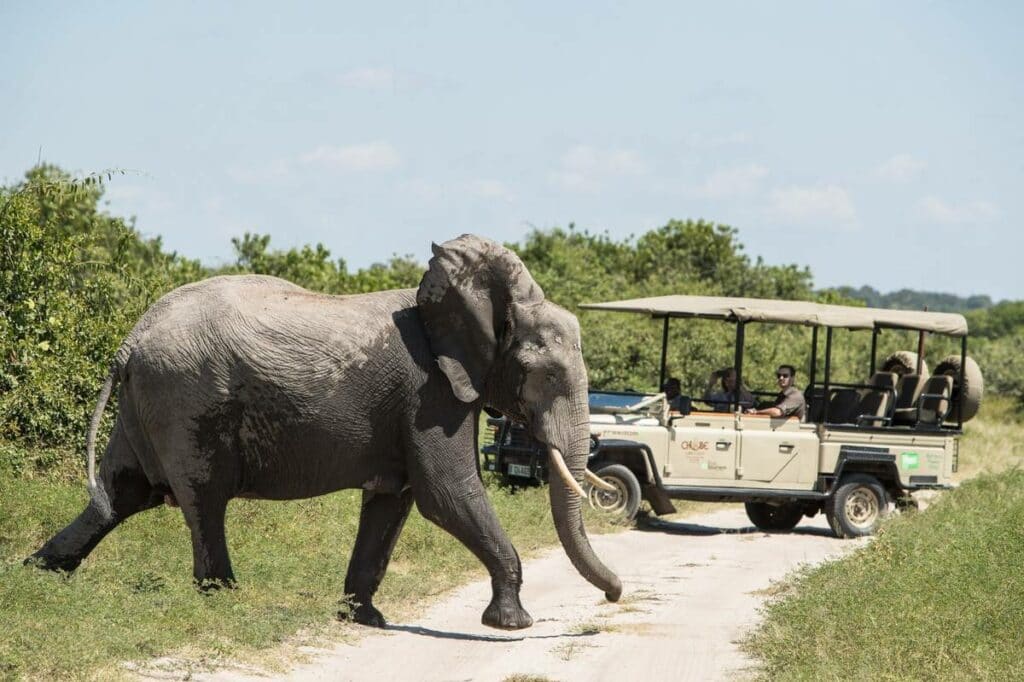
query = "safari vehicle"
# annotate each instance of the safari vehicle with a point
(862, 447)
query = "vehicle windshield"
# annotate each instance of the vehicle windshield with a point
(613, 399)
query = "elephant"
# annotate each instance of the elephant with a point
(251, 386)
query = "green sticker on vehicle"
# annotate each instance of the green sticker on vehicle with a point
(911, 460)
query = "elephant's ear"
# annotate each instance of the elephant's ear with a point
(465, 298)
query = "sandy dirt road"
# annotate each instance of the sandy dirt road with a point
(691, 590)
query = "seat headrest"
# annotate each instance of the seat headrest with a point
(883, 379)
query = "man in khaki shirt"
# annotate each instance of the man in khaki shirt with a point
(790, 401)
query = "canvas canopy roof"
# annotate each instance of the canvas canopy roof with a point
(788, 312)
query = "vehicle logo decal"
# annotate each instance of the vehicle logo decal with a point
(694, 445)
(911, 460)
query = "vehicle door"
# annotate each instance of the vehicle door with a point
(777, 450)
(703, 445)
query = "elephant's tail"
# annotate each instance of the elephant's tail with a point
(96, 491)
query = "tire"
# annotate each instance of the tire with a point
(624, 502)
(774, 518)
(972, 390)
(904, 362)
(857, 506)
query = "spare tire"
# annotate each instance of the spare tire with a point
(972, 390)
(904, 362)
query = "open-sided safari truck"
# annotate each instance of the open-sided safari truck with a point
(863, 446)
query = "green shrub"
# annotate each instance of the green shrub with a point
(72, 282)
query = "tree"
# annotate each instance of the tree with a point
(312, 267)
(72, 282)
(682, 257)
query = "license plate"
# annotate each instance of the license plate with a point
(519, 470)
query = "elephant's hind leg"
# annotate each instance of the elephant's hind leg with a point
(204, 513)
(380, 523)
(129, 492)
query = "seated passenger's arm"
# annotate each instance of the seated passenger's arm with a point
(773, 411)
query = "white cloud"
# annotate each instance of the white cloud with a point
(372, 156)
(368, 78)
(901, 168)
(935, 209)
(732, 182)
(828, 202)
(586, 169)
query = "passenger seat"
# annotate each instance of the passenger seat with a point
(935, 400)
(842, 406)
(908, 390)
(876, 404)
(814, 397)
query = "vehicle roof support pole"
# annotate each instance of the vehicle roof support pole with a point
(874, 351)
(664, 353)
(963, 368)
(828, 373)
(814, 359)
(920, 352)
(738, 362)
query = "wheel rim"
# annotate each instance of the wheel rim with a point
(861, 508)
(609, 501)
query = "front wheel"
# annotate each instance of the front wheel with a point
(774, 517)
(857, 507)
(621, 503)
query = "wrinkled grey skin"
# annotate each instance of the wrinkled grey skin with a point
(253, 387)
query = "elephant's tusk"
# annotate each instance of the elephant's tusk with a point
(597, 481)
(563, 471)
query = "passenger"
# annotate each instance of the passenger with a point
(722, 400)
(672, 390)
(789, 402)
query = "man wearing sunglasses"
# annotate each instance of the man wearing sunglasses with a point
(790, 401)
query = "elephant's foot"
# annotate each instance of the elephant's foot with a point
(364, 614)
(212, 585)
(506, 613)
(49, 562)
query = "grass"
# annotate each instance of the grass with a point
(937, 595)
(132, 599)
(994, 440)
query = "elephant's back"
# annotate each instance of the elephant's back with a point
(273, 326)
(179, 312)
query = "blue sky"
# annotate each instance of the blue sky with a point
(877, 143)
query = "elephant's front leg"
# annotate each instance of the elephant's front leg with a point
(380, 522)
(460, 505)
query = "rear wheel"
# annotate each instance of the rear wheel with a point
(621, 503)
(904, 362)
(971, 391)
(857, 507)
(774, 517)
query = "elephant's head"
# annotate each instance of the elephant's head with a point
(502, 344)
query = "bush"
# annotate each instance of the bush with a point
(72, 282)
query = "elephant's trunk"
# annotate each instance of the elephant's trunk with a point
(566, 509)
